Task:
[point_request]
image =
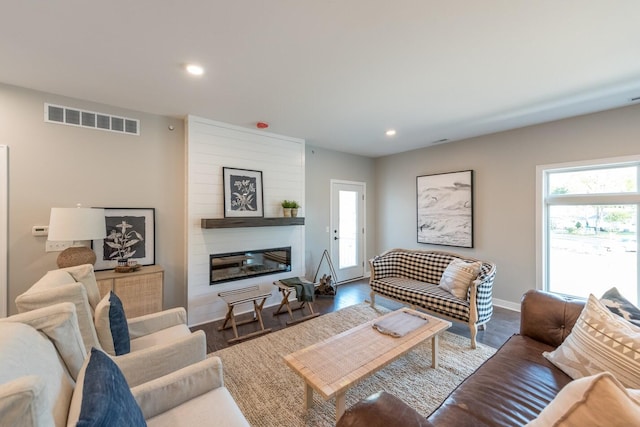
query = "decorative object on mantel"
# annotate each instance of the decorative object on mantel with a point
(130, 237)
(76, 224)
(242, 193)
(445, 209)
(290, 208)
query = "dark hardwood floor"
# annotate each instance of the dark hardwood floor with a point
(502, 325)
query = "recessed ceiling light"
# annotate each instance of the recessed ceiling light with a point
(390, 132)
(194, 69)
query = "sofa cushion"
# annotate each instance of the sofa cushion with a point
(161, 337)
(600, 341)
(111, 325)
(619, 305)
(510, 389)
(591, 402)
(19, 401)
(215, 407)
(426, 295)
(102, 396)
(85, 274)
(458, 276)
(48, 386)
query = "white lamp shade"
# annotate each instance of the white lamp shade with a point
(67, 224)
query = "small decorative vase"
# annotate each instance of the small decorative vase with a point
(287, 212)
(294, 212)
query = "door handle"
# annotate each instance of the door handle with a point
(336, 238)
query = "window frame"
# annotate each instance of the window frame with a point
(544, 200)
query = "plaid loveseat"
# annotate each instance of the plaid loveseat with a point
(413, 276)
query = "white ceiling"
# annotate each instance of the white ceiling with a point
(337, 73)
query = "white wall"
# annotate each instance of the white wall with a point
(321, 167)
(57, 165)
(210, 147)
(504, 187)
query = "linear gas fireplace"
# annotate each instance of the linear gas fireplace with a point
(242, 265)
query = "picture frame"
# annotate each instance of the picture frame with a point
(444, 205)
(138, 242)
(242, 193)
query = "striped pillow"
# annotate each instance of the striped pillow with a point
(600, 341)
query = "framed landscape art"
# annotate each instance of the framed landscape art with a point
(242, 193)
(130, 235)
(445, 209)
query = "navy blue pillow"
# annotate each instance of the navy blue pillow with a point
(118, 326)
(106, 397)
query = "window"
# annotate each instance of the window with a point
(587, 227)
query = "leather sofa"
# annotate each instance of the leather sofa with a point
(509, 389)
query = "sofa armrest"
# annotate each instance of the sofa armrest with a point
(156, 361)
(154, 322)
(381, 410)
(547, 317)
(164, 393)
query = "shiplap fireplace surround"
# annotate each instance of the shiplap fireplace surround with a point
(211, 146)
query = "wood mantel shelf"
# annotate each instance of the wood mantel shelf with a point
(250, 222)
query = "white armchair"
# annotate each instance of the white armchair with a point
(78, 286)
(42, 378)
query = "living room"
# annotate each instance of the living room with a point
(54, 165)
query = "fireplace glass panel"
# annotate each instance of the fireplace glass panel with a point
(232, 266)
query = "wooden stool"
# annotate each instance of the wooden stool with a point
(239, 296)
(286, 293)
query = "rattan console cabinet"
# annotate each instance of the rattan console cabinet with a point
(140, 291)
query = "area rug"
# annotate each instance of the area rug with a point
(269, 393)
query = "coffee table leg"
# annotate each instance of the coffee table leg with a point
(434, 351)
(308, 396)
(340, 405)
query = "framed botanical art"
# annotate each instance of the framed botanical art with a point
(445, 209)
(130, 236)
(242, 193)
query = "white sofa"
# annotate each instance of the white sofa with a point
(78, 285)
(42, 365)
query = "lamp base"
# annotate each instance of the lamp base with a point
(76, 255)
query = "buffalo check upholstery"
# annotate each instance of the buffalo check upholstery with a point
(412, 277)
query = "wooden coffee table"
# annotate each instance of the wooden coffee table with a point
(333, 366)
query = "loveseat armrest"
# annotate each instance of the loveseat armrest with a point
(156, 361)
(154, 322)
(548, 317)
(165, 393)
(382, 409)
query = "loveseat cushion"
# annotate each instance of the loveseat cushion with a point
(458, 276)
(163, 336)
(509, 389)
(102, 396)
(426, 295)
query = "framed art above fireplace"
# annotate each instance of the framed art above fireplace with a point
(242, 193)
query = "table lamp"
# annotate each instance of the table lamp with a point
(77, 225)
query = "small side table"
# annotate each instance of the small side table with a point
(286, 293)
(239, 296)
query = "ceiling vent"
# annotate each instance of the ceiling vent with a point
(90, 119)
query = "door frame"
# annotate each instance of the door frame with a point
(4, 225)
(363, 185)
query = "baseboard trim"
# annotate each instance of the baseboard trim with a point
(513, 306)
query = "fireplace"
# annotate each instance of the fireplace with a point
(232, 266)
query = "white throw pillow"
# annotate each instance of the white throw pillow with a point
(598, 400)
(600, 341)
(458, 276)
